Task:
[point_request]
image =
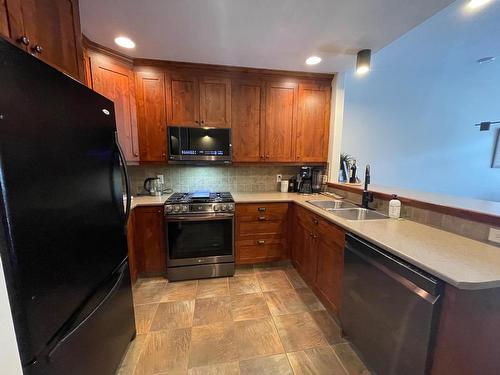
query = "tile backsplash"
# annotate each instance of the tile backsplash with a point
(213, 178)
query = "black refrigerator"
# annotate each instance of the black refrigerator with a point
(63, 222)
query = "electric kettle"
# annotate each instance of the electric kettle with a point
(153, 186)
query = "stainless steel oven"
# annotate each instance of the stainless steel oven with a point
(199, 240)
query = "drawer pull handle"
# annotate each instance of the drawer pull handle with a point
(262, 218)
(261, 209)
(261, 242)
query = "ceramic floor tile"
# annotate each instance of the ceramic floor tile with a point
(213, 288)
(180, 291)
(350, 360)
(295, 279)
(328, 326)
(173, 315)
(316, 361)
(134, 350)
(285, 301)
(144, 315)
(274, 280)
(244, 284)
(257, 338)
(309, 298)
(148, 293)
(249, 306)
(299, 332)
(211, 344)
(165, 352)
(231, 368)
(212, 310)
(272, 365)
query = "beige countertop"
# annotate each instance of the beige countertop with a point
(461, 262)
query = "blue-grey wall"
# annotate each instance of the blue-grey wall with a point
(412, 116)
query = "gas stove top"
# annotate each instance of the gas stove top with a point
(199, 203)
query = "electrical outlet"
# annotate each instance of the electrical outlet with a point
(279, 177)
(161, 177)
(494, 235)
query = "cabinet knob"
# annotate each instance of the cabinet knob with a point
(261, 242)
(267, 156)
(262, 218)
(298, 156)
(196, 122)
(163, 154)
(202, 121)
(37, 49)
(315, 236)
(261, 209)
(315, 221)
(136, 154)
(24, 40)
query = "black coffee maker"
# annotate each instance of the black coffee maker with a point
(305, 180)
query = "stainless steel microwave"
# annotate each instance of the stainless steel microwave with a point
(199, 145)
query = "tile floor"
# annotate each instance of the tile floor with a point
(264, 320)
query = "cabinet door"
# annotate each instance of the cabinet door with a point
(4, 20)
(281, 115)
(183, 100)
(215, 102)
(329, 271)
(248, 116)
(304, 253)
(116, 82)
(313, 123)
(151, 116)
(53, 27)
(149, 240)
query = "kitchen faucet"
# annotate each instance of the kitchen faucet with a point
(367, 195)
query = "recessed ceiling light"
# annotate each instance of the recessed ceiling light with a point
(486, 60)
(313, 60)
(473, 4)
(125, 42)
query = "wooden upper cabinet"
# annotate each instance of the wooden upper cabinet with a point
(313, 123)
(4, 20)
(183, 100)
(115, 81)
(151, 115)
(248, 117)
(215, 102)
(281, 118)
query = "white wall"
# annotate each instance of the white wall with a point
(412, 117)
(9, 354)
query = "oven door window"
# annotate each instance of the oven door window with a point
(198, 239)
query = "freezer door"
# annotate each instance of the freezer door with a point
(97, 339)
(61, 200)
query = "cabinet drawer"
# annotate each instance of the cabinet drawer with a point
(255, 211)
(256, 228)
(259, 253)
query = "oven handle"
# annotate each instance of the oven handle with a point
(199, 218)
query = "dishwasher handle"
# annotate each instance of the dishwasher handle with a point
(415, 289)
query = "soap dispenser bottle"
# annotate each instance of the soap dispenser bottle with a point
(394, 207)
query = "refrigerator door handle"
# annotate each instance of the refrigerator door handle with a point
(110, 294)
(127, 180)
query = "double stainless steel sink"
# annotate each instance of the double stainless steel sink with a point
(347, 210)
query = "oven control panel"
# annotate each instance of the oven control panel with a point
(193, 208)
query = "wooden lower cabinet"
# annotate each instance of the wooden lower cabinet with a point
(261, 232)
(318, 255)
(148, 241)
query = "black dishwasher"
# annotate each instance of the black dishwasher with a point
(389, 309)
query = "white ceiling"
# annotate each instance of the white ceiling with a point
(274, 34)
